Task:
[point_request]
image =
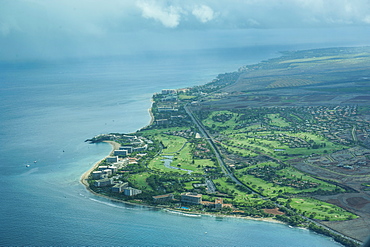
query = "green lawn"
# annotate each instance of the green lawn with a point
(185, 97)
(272, 189)
(247, 146)
(316, 209)
(182, 159)
(139, 181)
(276, 120)
(189, 185)
(172, 144)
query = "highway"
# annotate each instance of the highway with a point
(225, 169)
(207, 136)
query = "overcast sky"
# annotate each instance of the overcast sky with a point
(47, 28)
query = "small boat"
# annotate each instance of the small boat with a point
(35, 161)
(27, 165)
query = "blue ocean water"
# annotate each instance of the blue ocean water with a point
(49, 108)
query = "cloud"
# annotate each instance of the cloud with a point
(169, 16)
(203, 13)
(36, 28)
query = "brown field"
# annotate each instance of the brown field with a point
(274, 211)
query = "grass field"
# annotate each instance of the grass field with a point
(139, 181)
(276, 120)
(319, 210)
(272, 189)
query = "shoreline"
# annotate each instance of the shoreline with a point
(84, 177)
(115, 145)
(151, 115)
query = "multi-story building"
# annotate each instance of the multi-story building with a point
(119, 188)
(191, 197)
(169, 91)
(112, 159)
(163, 198)
(96, 174)
(103, 182)
(128, 148)
(129, 191)
(120, 152)
(219, 203)
(107, 171)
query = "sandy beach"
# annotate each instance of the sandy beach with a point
(85, 176)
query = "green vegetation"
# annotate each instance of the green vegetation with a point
(319, 210)
(276, 159)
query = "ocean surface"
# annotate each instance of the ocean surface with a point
(47, 111)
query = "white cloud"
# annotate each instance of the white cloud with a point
(118, 26)
(169, 16)
(203, 13)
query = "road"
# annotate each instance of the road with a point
(208, 137)
(227, 172)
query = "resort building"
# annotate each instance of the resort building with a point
(129, 191)
(113, 169)
(108, 172)
(102, 168)
(219, 203)
(161, 121)
(103, 182)
(112, 159)
(96, 174)
(167, 108)
(139, 149)
(192, 198)
(119, 188)
(163, 198)
(169, 91)
(128, 148)
(120, 152)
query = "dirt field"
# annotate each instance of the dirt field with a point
(274, 211)
(358, 203)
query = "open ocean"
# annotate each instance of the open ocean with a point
(47, 111)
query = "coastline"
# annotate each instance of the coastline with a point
(151, 116)
(84, 177)
(115, 145)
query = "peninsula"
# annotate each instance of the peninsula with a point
(286, 139)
